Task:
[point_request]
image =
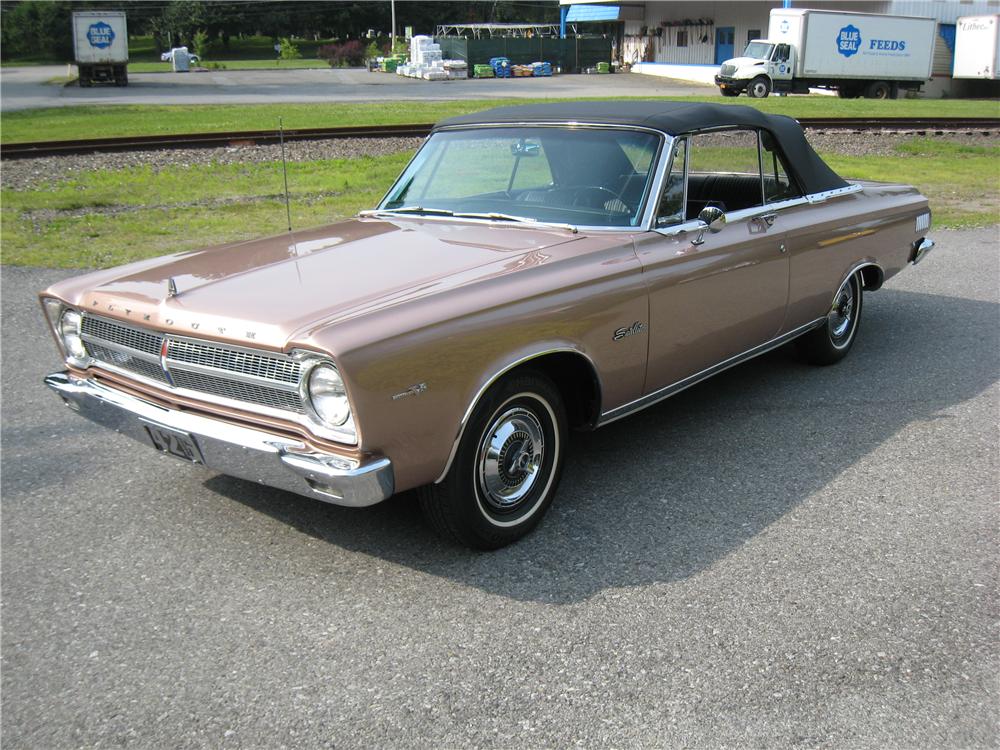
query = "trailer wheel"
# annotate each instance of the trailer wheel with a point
(759, 88)
(877, 90)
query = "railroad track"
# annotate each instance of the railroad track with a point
(259, 137)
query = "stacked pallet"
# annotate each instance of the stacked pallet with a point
(501, 66)
(426, 62)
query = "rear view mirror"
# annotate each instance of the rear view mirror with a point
(525, 148)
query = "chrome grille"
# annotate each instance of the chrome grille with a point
(134, 338)
(144, 367)
(234, 389)
(233, 360)
(261, 378)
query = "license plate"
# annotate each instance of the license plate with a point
(175, 443)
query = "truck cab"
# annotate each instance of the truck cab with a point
(763, 67)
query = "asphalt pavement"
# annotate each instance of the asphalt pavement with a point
(783, 556)
(28, 87)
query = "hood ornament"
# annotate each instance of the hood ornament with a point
(171, 288)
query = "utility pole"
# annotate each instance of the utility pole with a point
(392, 33)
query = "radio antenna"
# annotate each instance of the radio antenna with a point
(284, 172)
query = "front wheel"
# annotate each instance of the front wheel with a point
(759, 88)
(832, 341)
(729, 92)
(507, 466)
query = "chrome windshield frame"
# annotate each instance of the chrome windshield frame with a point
(654, 181)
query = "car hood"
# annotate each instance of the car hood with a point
(265, 291)
(743, 62)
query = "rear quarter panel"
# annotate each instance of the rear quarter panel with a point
(828, 240)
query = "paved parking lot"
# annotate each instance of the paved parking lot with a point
(24, 88)
(782, 556)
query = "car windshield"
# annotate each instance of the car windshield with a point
(758, 50)
(569, 175)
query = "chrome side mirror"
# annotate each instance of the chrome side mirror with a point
(714, 219)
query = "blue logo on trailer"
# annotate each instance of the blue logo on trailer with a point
(100, 35)
(849, 40)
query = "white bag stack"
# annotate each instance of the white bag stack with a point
(426, 62)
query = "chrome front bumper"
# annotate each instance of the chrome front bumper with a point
(243, 452)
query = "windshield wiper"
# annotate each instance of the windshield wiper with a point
(407, 210)
(519, 219)
(492, 216)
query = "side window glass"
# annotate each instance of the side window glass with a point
(724, 171)
(671, 208)
(778, 186)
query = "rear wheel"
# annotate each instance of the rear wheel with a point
(832, 341)
(759, 88)
(877, 90)
(507, 466)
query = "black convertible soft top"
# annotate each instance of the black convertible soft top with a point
(674, 118)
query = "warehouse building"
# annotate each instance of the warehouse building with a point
(654, 36)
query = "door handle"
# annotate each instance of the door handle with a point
(768, 219)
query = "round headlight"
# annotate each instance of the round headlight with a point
(328, 395)
(69, 331)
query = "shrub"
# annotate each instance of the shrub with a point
(288, 49)
(348, 54)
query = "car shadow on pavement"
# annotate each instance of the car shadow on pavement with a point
(663, 495)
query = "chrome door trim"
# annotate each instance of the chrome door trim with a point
(667, 391)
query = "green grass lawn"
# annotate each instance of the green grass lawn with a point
(103, 218)
(62, 123)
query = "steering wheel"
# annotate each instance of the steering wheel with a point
(594, 196)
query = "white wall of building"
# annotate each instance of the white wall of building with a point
(696, 44)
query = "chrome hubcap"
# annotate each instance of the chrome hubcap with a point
(842, 312)
(510, 458)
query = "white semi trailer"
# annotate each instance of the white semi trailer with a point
(977, 47)
(100, 46)
(856, 54)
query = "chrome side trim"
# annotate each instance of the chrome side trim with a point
(693, 225)
(253, 454)
(495, 377)
(835, 193)
(666, 392)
